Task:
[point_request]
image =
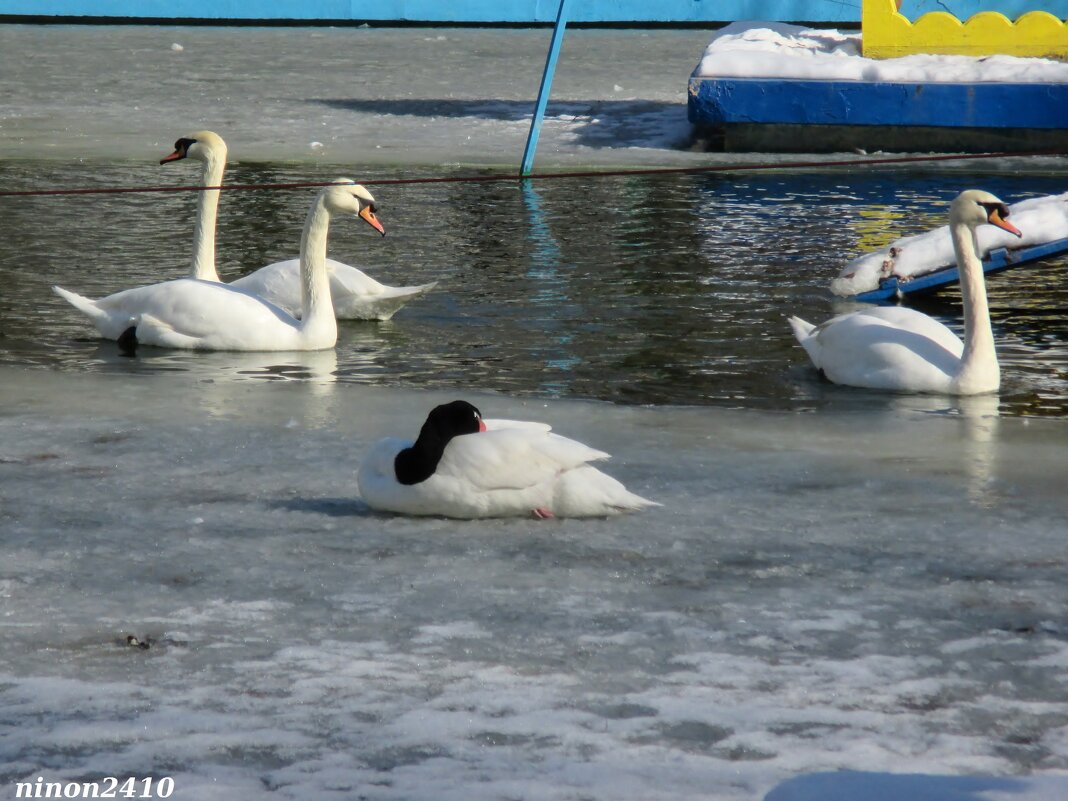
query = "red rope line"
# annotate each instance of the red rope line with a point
(500, 178)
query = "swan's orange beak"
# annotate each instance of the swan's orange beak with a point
(370, 218)
(177, 154)
(995, 218)
(481, 424)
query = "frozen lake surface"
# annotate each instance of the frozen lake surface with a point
(846, 595)
(872, 591)
(355, 95)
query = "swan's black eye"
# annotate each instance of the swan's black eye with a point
(1001, 209)
(183, 145)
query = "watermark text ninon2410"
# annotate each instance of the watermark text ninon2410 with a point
(108, 787)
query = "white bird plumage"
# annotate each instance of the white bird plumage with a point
(355, 295)
(897, 348)
(503, 468)
(193, 313)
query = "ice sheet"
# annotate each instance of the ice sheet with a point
(356, 95)
(827, 600)
(878, 591)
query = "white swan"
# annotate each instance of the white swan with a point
(205, 315)
(897, 348)
(466, 467)
(356, 296)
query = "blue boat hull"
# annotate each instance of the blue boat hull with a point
(996, 261)
(803, 115)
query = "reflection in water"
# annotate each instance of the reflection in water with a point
(223, 366)
(315, 366)
(979, 416)
(223, 378)
(640, 289)
(549, 290)
(875, 228)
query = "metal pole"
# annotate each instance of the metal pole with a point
(543, 93)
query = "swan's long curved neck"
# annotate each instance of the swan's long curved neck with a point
(203, 266)
(979, 361)
(417, 463)
(317, 308)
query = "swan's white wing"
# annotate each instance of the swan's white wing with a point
(512, 458)
(377, 465)
(587, 492)
(886, 348)
(191, 313)
(358, 296)
(497, 424)
(355, 294)
(200, 308)
(277, 283)
(152, 331)
(349, 280)
(906, 319)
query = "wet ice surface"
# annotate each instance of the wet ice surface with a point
(841, 588)
(878, 591)
(376, 95)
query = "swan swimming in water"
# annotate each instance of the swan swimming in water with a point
(210, 149)
(466, 467)
(897, 348)
(197, 314)
(355, 295)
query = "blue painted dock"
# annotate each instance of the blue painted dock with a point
(432, 11)
(488, 12)
(786, 115)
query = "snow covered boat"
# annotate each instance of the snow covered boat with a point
(925, 262)
(766, 86)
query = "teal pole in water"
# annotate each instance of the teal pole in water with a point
(543, 93)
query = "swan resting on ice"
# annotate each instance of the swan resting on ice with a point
(464, 466)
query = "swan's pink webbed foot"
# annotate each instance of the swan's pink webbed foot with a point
(542, 514)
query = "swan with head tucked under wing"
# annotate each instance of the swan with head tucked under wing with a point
(897, 348)
(196, 314)
(355, 295)
(466, 467)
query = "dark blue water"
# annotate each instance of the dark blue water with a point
(644, 289)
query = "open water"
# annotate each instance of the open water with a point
(842, 587)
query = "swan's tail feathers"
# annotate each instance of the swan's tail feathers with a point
(381, 306)
(587, 492)
(406, 293)
(87, 307)
(109, 324)
(410, 291)
(808, 336)
(802, 330)
(634, 503)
